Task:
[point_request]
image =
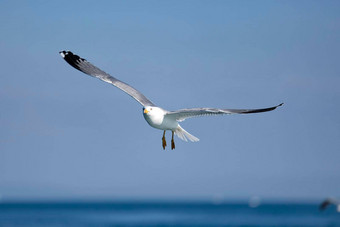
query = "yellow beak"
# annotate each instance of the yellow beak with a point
(146, 111)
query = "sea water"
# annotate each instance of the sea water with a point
(165, 214)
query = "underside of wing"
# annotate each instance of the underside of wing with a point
(86, 67)
(183, 114)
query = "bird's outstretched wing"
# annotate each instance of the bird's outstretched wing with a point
(181, 115)
(86, 67)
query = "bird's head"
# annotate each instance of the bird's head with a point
(148, 110)
(153, 115)
(153, 110)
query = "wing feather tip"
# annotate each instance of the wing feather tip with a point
(63, 53)
(281, 104)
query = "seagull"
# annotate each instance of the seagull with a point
(327, 202)
(155, 116)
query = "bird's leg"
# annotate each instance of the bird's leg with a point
(163, 141)
(172, 141)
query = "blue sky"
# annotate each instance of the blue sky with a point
(65, 135)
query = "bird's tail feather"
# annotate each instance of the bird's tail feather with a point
(184, 135)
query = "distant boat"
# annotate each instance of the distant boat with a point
(254, 201)
(330, 201)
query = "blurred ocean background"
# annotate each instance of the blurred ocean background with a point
(158, 213)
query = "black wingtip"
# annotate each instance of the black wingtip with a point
(72, 59)
(64, 53)
(281, 104)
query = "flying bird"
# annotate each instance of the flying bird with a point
(330, 201)
(155, 116)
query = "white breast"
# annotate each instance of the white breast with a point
(157, 119)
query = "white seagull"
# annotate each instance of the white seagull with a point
(156, 116)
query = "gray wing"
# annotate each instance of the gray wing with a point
(86, 67)
(181, 115)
